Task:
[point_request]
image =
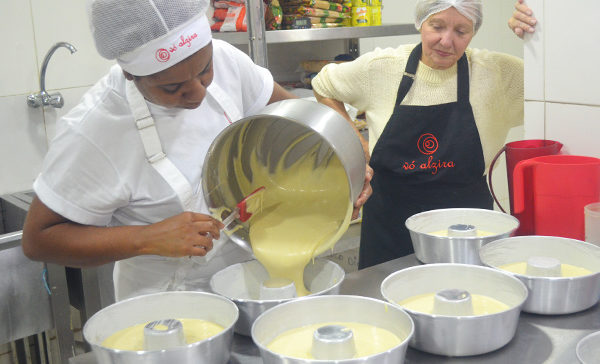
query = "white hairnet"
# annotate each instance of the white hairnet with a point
(469, 8)
(122, 29)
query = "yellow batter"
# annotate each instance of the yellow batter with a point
(132, 338)
(567, 270)
(482, 305)
(480, 233)
(368, 340)
(305, 210)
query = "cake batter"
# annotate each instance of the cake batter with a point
(567, 270)
(482, 305)
(132, 338)
(368, 340)
(305, 210)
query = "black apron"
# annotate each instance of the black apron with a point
(427, 157)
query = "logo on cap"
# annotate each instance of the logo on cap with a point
(162, 55)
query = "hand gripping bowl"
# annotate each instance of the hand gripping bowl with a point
(550, 295)
(277, 137)
(162, 306)
(461, 224)
(241, 283)
(458, 335)
(326, 309)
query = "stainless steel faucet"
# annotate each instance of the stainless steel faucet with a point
(43, 98)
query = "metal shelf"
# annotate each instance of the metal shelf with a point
(305, 35)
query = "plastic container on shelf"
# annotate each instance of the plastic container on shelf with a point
(375, 12)
(361, 16)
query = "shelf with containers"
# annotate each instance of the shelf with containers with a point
(257, 38)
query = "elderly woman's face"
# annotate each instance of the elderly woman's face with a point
(445, 36)
(182, 85)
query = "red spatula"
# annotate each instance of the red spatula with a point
(248, 206)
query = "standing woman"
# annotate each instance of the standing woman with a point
(437, 113)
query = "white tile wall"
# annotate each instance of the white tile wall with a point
(572, 36)
(576, 126)
(564, 49)
(533, 55)
(22, 144)
(66, 21)
(18, 72)
(29, 29)
(534, 118)
(494, 33)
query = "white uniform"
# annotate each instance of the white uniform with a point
(96, 172)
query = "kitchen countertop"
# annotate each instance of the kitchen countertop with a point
(539, 338)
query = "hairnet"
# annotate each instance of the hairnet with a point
(148, 36)
(469, 8)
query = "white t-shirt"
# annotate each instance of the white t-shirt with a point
(96, 173)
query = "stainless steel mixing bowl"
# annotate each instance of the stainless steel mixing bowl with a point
(159, 306)
(588, 349)
(430, 248)
(550, 295)
(241, 283)
(309, 126)
(458, 335)
(312, 310)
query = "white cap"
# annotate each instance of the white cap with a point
(469, 8)
(148, 36)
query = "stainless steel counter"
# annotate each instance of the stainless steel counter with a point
(539, 339)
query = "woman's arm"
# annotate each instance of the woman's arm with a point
(367, 190)
(341, 109)
(49, 237)
(279, 93)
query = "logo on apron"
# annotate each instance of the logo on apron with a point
(428, 145)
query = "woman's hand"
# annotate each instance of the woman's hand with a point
(186, 234)
(366, 192)
(522, 21)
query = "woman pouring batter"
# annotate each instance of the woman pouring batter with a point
(121, 180)
(437, 112)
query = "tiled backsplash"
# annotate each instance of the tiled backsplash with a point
(29, 29)
(561, 86)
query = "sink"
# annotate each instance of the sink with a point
(25, 305)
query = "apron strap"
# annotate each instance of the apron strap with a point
(462, 69)
(153, 148)
(230, 110)
(410, 71)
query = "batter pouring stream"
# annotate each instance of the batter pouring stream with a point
(305, 210)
